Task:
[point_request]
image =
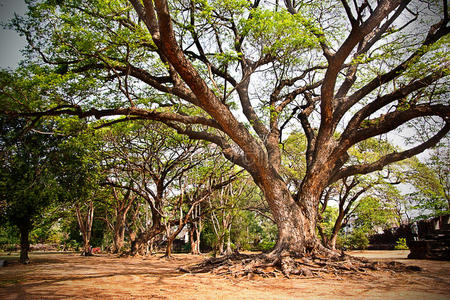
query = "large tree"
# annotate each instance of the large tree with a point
(237, 73)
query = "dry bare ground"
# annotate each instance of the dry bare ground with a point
(69, 276)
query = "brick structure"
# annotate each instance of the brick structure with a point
(432, 240)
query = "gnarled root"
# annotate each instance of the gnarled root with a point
(314, 264)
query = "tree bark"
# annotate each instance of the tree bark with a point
(191, 238)
(296, 221)
(138, 245)
(24, 244)
(87, 251)
(169, 247)
(229, 250)
(198, 231)
(194, 237)
(335, 232)
(85, 223)
(119, 232)
(172, 237)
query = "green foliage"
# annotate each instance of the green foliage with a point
(9, 236)
(279, 32)
(356, 240)
(293, 159)
(430, 195)
(372, 213)
(208, 239)
(46, 234)
(401, 244)
(265, 246)
(29, 180)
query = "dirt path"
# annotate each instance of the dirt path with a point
(69, 276)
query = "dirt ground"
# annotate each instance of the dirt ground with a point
(70, 276)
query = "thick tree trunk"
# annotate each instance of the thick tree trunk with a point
(296, 222)
(119, 233)
(24, 244)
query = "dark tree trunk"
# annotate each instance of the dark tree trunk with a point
(24, 244)
(119, 232)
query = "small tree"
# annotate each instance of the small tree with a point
(29, 180)
(148, 159)
(431, 183)
(122, 202)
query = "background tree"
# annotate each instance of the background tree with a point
(149, 159)
(81, 177)
(430, 180)
(121, 204)
(225, 206)
(348, 191)
(29, 181)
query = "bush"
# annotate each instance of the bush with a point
(401, 244)
(265, 246)
(357, 240)
(73, 245)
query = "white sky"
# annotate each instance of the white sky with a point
(10, 41)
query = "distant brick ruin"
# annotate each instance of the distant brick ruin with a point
(432, 240)
(426, 239)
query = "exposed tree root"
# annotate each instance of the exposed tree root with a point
(312, 266)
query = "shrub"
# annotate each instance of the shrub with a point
(357, 240)
(265, 246)
(401, 244)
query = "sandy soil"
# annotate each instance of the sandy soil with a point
(69, 276)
